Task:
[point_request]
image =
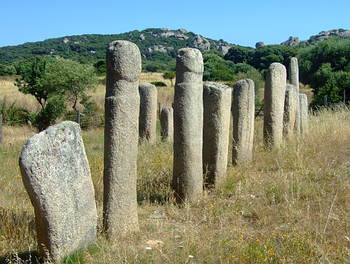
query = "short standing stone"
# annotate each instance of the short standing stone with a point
(275, 87)
(290, 110)
(122, 107)
(304, 114)
(148, 113)
(188, 125)
(243, 111)
(167, 123)
(55, 172)
(216, 129)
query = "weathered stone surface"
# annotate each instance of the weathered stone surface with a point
(243, 113)
(290, 110)
(304, 114)
(275, 87)
(1, 132)
(216, 128)
(55, 172)
(294, 80)
(294, 72)
(148, 113)
(122, 106)
(167, 123)
(188, 125)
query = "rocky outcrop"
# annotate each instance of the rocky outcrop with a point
(292, 41)
(159, 48)
(200, 43)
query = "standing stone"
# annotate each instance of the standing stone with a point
(55, 172)
(216, 129)
(294, 80)
(1, 132)
(188, 125)
(290, 110)
(122, 106)
(294, 73)
(304, 114)
(167, 123)
(243, 112)
(148, 113)
(274, 95)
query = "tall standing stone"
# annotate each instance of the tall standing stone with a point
(243, 112)
(167, 123)
(148, 113)
(274, 95)
(290, 110)
(122, 106)
(294, 80)
(188, 125)
(304, 114)
(216, 129)
(1, 132)
(55, 172)
(294, 73)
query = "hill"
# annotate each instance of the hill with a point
(323, 35)
(157, 45)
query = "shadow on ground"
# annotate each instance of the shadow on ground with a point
(29, 257)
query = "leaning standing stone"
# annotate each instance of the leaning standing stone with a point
(290, 110)
(148, 113)
(243, 112)
(216, 128)
(122, 106)
(304, 114)
(274, 94)
(55, 172)
(167, 123)
(188, 126)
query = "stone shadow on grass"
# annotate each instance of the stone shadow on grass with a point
(28, 257)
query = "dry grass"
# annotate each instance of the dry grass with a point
(287, 206)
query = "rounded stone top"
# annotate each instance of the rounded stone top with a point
(124, 58)
(244, 82)
(213, 86)
(278, 70)
(147, 86)
(294, 60)
(190, 59)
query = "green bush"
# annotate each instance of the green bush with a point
(14, 115)
(159, 84)
(326, 68)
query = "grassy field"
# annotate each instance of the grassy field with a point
(287, 206)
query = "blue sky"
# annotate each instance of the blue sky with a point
(240, 22)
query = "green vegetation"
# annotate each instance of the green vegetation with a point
(326, 68)
(53, 83)
(169, 75)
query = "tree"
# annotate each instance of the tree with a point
(53, 82)
(239, 54)
(169, 75)
(326, 68)
(216, 68)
